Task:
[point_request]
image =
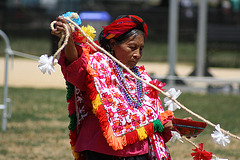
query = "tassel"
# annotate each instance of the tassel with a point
(96, 103)
(70, 90)
(142, 133)
(157, 126)
(73, 121)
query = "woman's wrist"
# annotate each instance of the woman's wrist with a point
(71, 53)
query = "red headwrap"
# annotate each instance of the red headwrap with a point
(123, 25)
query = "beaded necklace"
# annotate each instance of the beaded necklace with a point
(124, 87)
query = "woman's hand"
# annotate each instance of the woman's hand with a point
(188, 118)
(71, 53)
(168, 127)
(59, 27)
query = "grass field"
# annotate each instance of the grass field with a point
(38, 127)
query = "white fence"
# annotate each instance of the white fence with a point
(7, 103)
(6, 106)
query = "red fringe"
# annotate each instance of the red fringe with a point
(149, 129)
(73, 137)
(132, 137)
(92, 90)
(102, 117)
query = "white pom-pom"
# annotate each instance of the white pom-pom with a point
(46, 64)
(172, 106)
(175, 136)
(219, 137)
(74, 15)
(219, 159)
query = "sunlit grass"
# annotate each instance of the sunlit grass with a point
(33, 46)
(38, 127)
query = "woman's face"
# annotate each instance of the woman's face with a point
(130, 51)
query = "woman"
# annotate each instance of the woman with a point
(118, 116)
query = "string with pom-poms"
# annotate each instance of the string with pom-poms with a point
(170, 96)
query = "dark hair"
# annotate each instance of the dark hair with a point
(105, 43)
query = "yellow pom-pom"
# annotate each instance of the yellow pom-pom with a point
(96, 103)
(142, 133)
(90, 31)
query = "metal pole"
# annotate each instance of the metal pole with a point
(201, 38)
(172, 38)
(5, 94)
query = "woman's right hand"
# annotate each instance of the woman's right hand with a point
(71, 53)
(59, 27)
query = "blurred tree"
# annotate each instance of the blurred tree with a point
(164, 3)
(3, 8)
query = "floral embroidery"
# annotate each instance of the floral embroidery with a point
(123, 118)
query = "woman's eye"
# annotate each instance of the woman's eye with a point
(133, 48)
(141, 51)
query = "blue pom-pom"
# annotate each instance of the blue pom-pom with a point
(68, 14)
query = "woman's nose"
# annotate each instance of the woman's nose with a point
(137, 54)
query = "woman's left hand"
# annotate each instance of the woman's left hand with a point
(168, 127)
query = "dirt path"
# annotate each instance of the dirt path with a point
(25, 73)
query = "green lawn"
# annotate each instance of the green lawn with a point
(34, 45)
(38, 127)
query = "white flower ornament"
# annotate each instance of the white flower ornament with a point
(172, 106)
(46, 64)
(219, 159)
(175, 136)
(219, 137)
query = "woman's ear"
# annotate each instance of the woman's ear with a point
(112, 43)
